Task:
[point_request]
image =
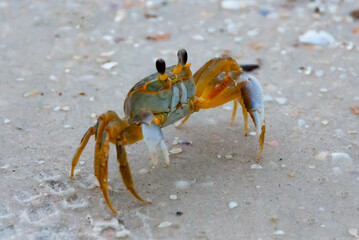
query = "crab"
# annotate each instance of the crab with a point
(164, 98)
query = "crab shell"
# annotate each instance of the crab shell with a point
(161, 97)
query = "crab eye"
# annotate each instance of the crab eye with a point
(182, 57)
(161, 66)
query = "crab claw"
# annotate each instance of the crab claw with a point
(252, 97)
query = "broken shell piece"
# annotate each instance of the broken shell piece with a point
(164, 224)
(176, 150)
(281, 100)
(120, 16)
(31, 93)
(232, 205)
(279, 232)
(256, 166)
(317, 37)
(325, 122)
(109, 65)
(353, 232)
(321, 156)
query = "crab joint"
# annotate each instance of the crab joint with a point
(163, 77)
(177, 69)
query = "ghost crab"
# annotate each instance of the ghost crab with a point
(162, 99)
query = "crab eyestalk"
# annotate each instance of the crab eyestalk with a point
(161, 69)
(182, 57)
(182, 60)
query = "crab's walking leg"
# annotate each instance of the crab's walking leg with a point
(101, 166)
(125, 171)
(180, 124)
(235, 105)
(153, 137)
(103, 130)
(84, 140)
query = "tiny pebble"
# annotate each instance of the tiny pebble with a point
(56, 109)
(256, 166)
(283, 165)
(323, 90)
(20, 79)
(252, 133)
(143, 171)
(319, 73)
(311, 166)
(228, 156)
(40, 162)
(308, 70)
(325, 122)
(120, 16)
(109, 65)
(301, 122)
(67, 70)
(279, 232)
(91, 99)
(173, 197)
(67, 126)
(219, 156)
(232, 5)
(198, 37)
(233, 205)
(6, 121)
(164, 224)
(176, 150)
(321, 156)
(353, 232)
(82, 162)
(66, 108)
(292, 174)
(52, 77)
(281, 100)
(93, 115)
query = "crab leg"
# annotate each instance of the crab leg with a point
(235, 105)
(84, 141)
(101, 166)
(125, 171)
(247, 90)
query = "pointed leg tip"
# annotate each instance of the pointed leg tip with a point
(113, 211)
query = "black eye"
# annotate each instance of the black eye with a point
(161, 66)
(182, 57)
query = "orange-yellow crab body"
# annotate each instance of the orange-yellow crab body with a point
(162, 99)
